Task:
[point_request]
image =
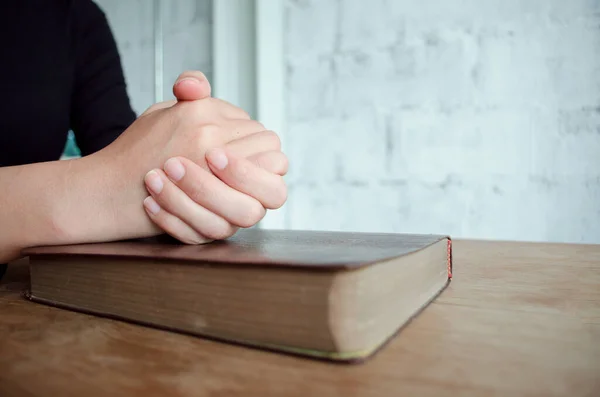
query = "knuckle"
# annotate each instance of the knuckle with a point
(274, 140)
(209, 130)
(254, 213)
(221, 232)
(279, 196)
(207, 135)
(264, 163)
(283, 165)
(196, 191)
(192, 240)
(242, 114)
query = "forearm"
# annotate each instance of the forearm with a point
(26, 208)
(67, 202)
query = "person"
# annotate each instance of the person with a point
(197, 168)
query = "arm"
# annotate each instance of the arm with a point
(60, 202)
(99, 197)
(50, 203)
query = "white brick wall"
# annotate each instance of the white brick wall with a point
(478, 119)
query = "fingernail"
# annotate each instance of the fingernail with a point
(154, 182)
(151, 205)
(192, 79)
(174, 169)
(217, 158)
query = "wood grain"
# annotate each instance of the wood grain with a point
(518, 319)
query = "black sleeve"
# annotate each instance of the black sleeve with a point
(100, 106)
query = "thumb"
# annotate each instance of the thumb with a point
(191, 86)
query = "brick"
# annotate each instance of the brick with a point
(358, 30)
(566, 143)
(432, 142)
(312, 147)
(365, 208)
(311, 85)
(361, 153)
(303, 16)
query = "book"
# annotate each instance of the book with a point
(331, 295)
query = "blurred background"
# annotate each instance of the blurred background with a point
(479, 119)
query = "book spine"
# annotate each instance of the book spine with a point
(449, 257)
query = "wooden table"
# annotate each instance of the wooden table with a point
(518, 319)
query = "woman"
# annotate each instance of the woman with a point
(197, 169)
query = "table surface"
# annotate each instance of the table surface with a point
(518, 319)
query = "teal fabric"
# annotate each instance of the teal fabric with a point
(71, 148)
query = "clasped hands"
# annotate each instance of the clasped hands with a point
(221, 171)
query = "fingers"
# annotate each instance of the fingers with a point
(188, 87)
(262, 148)
(192, 184)
(243, 176)
(274, 162)
(202, 226)
(171, 224)
(253, 143)
(239, 129)
(191, 85)
(177, 203)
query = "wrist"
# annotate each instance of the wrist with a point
(102, 202)
(119, 196)
(76, 213)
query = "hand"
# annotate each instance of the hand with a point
(195, 206)
(193, 85)
(179, 202)
(189, 129)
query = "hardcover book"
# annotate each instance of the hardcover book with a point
(333, 295)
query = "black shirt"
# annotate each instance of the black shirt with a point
(59, 70)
